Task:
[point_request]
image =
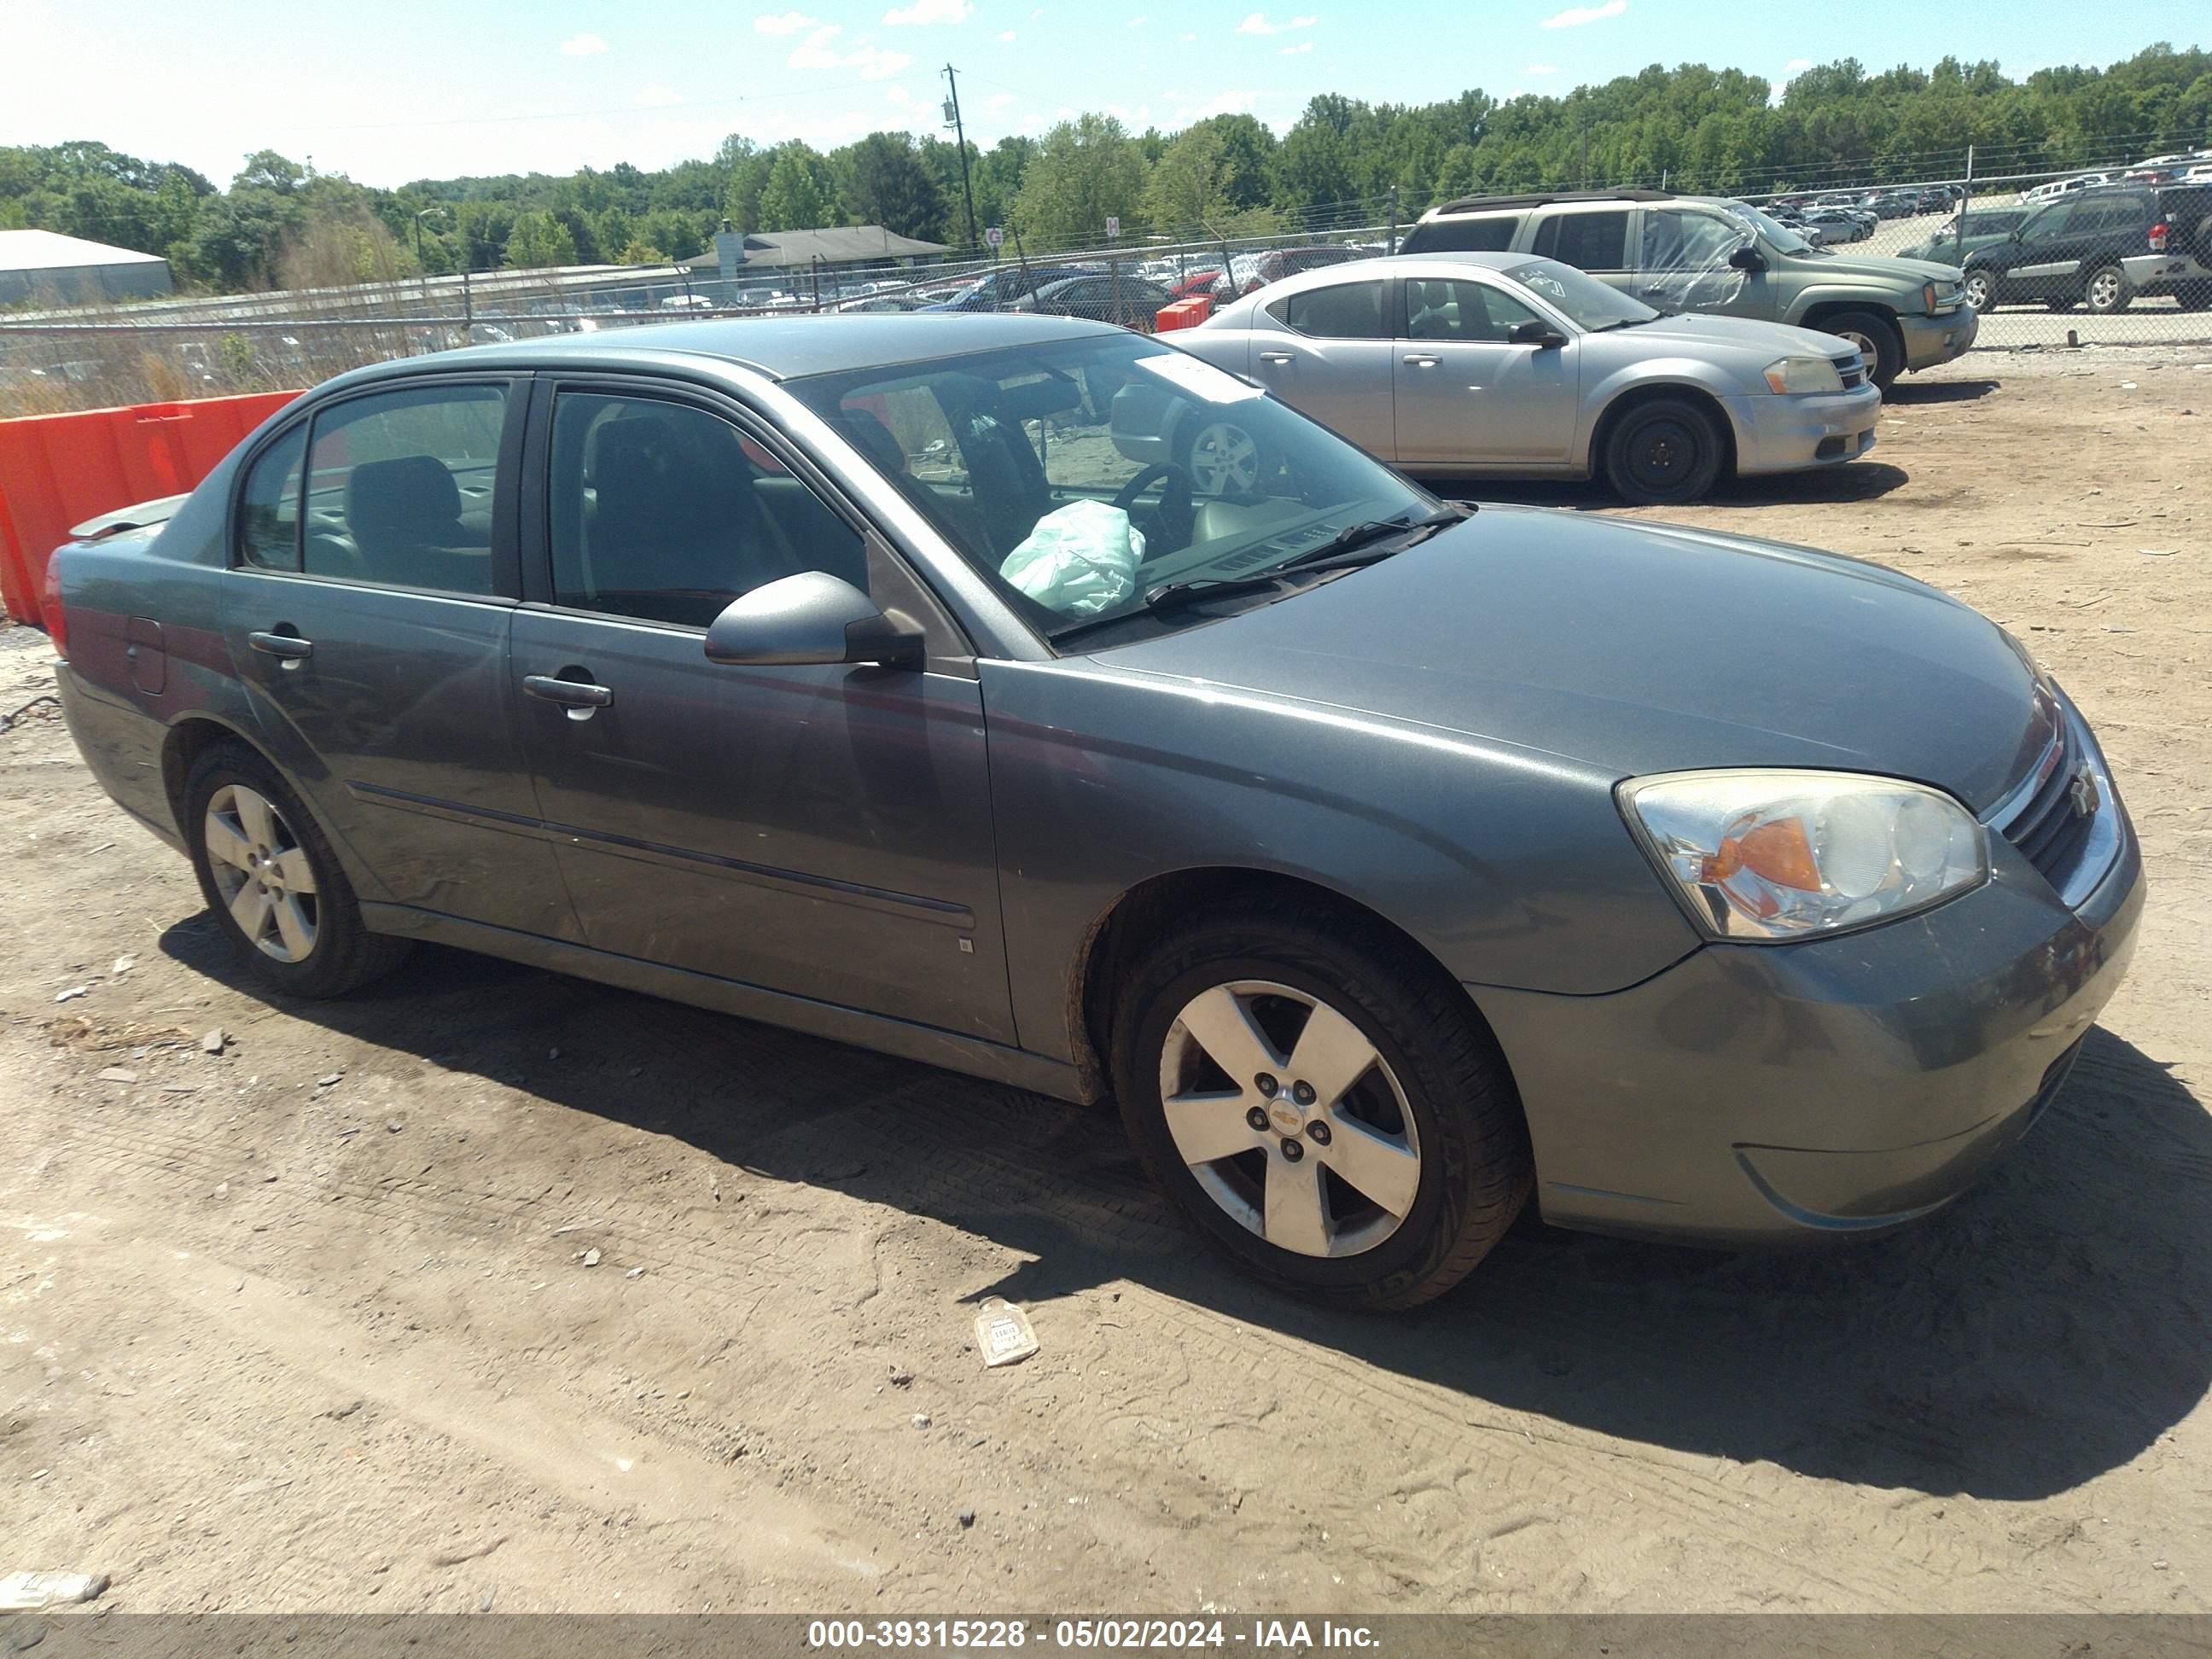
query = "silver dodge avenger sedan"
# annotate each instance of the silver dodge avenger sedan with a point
(1389, 863)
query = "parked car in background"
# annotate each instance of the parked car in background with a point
(1705, 253)
(1837, 224)
(1127, 299)
(2053, 189)
(1503, 364)
(1984, 226)
(1275, 263)
(1390, 864)
(1196, 284)
(2102, 248)
(996, 289)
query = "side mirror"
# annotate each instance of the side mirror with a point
(1746, 258)
(1535, 332)
(811, 617)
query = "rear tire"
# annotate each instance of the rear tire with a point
(2107, 291)
(276, 890)
(1380, 1186)
(1663, 453)
(2194, 294)
(1223, 457)
(1875, 337)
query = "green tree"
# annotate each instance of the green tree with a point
(1084, 172)
(887, 185)
(539, 240)
(793, 199)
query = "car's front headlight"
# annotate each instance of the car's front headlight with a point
(1766, 856)
(1938, 297)
(1803, 374)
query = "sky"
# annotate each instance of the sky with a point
(391, 90)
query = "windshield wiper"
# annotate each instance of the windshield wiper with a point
(1354, 536)
(1348, 550)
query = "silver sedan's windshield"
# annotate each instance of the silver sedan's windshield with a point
(1586, 301)
(1082, 474)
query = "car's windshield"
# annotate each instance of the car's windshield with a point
(1080, 475)
(1586, 301)
(1778, 235)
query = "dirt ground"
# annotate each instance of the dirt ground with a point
(493, 1289)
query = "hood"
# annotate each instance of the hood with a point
(1881, 267)
(1639, 648)
(1703, 329)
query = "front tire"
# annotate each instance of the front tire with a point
(269, 876)
(2107, 291)
(1877, 339)
(1661, 453)
(1981, 292)
(1333, 1117)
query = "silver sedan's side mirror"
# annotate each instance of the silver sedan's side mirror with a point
(811, 617)
(1531, 331)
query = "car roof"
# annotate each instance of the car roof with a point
(782, 348)
(1486, 203)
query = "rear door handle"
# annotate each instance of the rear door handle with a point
(289, 648)
(1278, 356)
(580, 698)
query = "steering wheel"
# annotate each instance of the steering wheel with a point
(1177, 519)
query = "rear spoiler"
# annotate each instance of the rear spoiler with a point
(142, 516)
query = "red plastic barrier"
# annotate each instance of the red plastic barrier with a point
(57, 470)
(1183, 314)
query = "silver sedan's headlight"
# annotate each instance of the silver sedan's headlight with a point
(1768, 855)
(1803, 374)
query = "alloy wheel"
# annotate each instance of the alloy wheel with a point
(261, 873)
(2105, 290)
(1224, 460)
(1289, 1119)
(1977, 291)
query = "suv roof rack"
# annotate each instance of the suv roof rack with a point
(1478, 204)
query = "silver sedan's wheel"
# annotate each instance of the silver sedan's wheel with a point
(1224, 460)
(262, 873)
(1288, 1119)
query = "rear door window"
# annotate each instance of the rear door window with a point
(1587, 241)
(1342, 310)
(268, 507)
(1491, 234)
(400, 487)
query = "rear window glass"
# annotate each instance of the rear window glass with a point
(1493, 234)
(1587, 241)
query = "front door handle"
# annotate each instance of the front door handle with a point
(1278, 356)
(1422, 360)
(289, 649)
(580, 698)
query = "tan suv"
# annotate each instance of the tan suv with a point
(1705, 253)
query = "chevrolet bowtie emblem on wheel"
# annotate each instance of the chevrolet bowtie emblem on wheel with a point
(2083, 792)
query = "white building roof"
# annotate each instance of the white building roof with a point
(46, 250)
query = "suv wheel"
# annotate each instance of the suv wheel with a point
(2107, 291)
(1334, 1118)
(1981, 293)
(1875, 337)
(1661, 453)
(268, 874)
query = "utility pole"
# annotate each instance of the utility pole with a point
(960, 137)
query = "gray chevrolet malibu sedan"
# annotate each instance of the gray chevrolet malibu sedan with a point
(1389, 863)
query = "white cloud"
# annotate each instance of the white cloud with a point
(582, 45)
(1187, 40)
(1541, 68)
(1575, 16)
(789, 22)
(1257, 23)
(818, 51)
(929, 11)
(1140, 20)
(998, 101)
(1292, 51)
(1797, 63)
(658, 97)
(1005, 34)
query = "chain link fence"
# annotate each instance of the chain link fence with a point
(62, 359)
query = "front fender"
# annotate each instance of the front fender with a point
(1656, 374)
(1508, 865)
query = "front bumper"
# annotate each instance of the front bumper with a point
(1763, 1094)
(1932, 340)
(1778, 433)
